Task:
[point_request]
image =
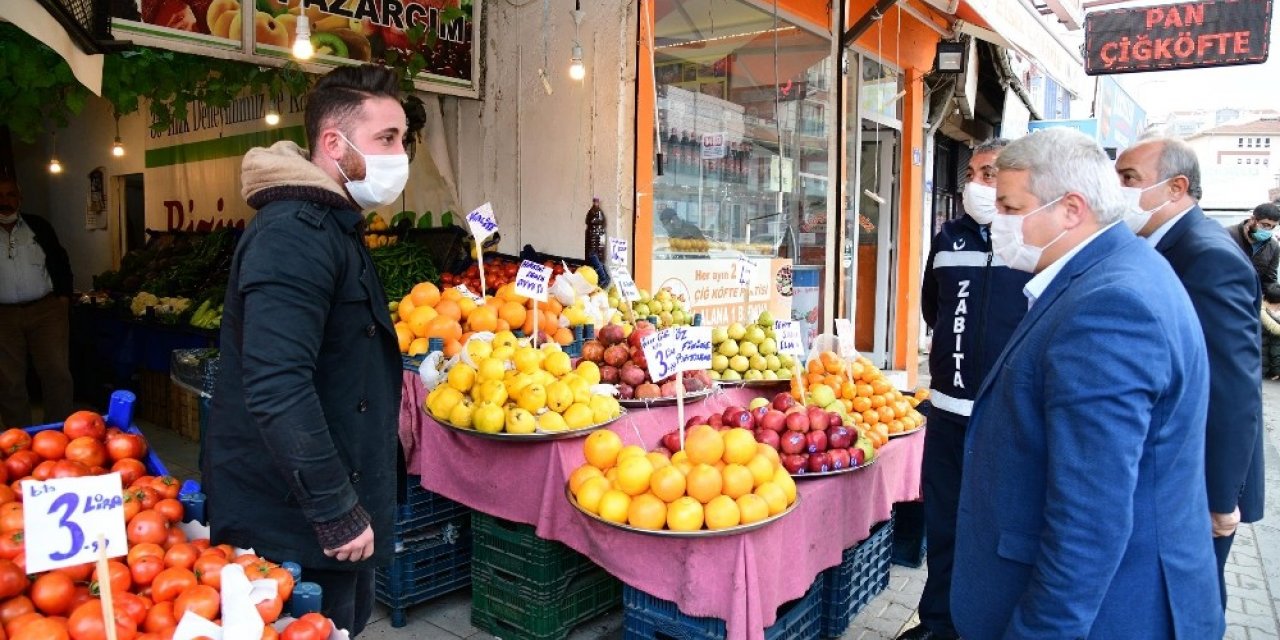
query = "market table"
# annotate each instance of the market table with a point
(741, 579)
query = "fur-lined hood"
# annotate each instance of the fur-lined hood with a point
(284, 172)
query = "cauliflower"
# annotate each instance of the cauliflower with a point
(141, 301)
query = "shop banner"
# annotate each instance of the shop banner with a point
(1120, 119)
(710, 286)
(1186, 35)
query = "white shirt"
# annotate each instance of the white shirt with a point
(23, 276)
(1159, 234)
(1037, 285)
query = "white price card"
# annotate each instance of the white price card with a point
(693, 348)
(625, 284)
(618, 251)
(788, 337)
(467, 293)
(844, 337)
(532, 280)
(482, 222)
(660, 354)
(745, 268)
(63, 518)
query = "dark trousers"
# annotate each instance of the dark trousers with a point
(347, 596)
(940, 477)
(39, 331)
(1222, 549)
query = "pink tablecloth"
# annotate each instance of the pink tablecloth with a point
(741, 579)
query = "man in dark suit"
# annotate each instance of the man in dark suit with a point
(1163, 176)
(1082, 507)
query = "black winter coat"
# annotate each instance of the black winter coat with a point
(303, 426)
(1266, 260)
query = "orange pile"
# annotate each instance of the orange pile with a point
(875, 406)
(428, 312)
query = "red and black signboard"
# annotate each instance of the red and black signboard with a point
(1186, 35)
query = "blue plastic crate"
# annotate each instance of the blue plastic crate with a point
(862, 574)
(119, 415)
(426, 567)
(416, 507)
(648, 618)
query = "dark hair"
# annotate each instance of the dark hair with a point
(1266, 211)
(341, 93)
(1272, 292)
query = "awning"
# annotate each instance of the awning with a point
(29, 16)
(1012, 26)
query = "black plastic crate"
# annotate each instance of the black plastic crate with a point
(909, 540)
(862, 574)
(648, 618)
(515, 549)
(504, 608)
(427, 566)
(416, 507)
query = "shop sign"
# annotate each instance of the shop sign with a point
(532, 280)
(713, 146)
(693, 344)
(468, 294)
(1120, 119)
(68, 521)
(342, 32)
(1185, 35)
(482, 222)
(710, 286)
(789, 340)
(626, 286)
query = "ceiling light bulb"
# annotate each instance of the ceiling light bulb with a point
(272, 117)
(117, 148)
(55, 166)
(577, 70)
(302, 48)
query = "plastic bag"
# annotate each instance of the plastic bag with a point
(828, 342)
(465, 354)
(432, 370)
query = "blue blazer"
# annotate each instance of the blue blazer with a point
(1082, 508)
(1224, 291)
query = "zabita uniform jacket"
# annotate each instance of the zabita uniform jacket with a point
(973, 302)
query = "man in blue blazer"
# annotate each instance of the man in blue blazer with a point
(1082, 507)
(1162, 177)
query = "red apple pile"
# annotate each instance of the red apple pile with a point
(622, 362)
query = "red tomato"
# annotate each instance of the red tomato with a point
(171, 509)
(132, 504)
(306, 629)
(87, 451)
(14, 626)
(20, 463)
(12, 543)
(176, 536)
(166, 486)
(129, 470)
(44, 629)
(14, 440)
(201, 545)
(138, 551)
(145, 569)
(284, 582)
(52, 592)
(208, 569)
(79, 572)
(182, 555)
(81, 596)
(270, 609)
(132, 605)
(170, 583)
(147, 496)
(51, 444)
(269, 633)
(126, 445)
(201, 599)
(160, 618)
(10, 516)
(71, 469)
(15, 607)
(6, 494)
(21, 561)
(86, 623)
(148, 526)
(44, 470)
(121, 579)
(84, 423)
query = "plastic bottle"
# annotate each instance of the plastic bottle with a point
(595, 242)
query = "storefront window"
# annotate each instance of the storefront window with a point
(742, 102)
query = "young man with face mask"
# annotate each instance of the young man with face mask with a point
(300, 457)
(1161, 178)
(1082, 507)
(1256, 237)
(972, 301)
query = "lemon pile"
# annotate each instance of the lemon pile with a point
(719, 480)
(542, 392)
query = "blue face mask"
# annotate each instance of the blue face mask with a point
(1261, 235)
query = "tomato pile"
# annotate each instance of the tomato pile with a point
(163, 576)
(498, 270)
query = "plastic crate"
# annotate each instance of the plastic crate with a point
(909, 540)
(504, 607)
(434, 562)
(416, 507)
(514, 549)
(119, 415)
(862, 574)
(648, 618)
(184, 412)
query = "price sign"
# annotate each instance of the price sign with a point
(660, 354)
(466, 293)
(617, 251)
(788, 336)
(693, 348)
(713, 146)
(532, 280)
(625, 284)
(64, 517)
(482, 222)
(745, 268)
(844, 336)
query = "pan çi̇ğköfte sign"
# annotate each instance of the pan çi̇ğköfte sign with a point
(1186, 35)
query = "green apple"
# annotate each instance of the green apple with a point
(641, 309)
(728, 348)
(719, 362)
(765, 319)
(718, 335)
(753, 374)
(784, 373)
(748, 349)
(739, 363)
(755, 334)
(774, 363)
(770, 374)
(731, 376)
(713, 374)
(644, 296)
(759, 362)
(665, 319)
(822, 395)
(678, 317)
(758, 402)
(663, 296)
(786, 360)
(737, 331)
(768, 347)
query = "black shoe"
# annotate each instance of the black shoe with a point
(921, 632)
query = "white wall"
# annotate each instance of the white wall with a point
(1227, 184)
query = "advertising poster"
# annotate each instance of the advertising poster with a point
(710, 287)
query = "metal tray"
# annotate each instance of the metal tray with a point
(689, 398)
(537, 436)
(906, 433)
(826, 474)
(665, 533)
(754, 383)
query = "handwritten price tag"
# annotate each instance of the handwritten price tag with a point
(64, 517)
(532, 280)
(745, 268)
(693, 348)
(482, 222)
(618, 251)
(788, 336)
(844, 336)
(660, 354)
(466, 293)
(625, 284)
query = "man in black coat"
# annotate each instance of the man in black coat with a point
(299, 457)
(35, 291)
(1162, 176)
(1255, 236)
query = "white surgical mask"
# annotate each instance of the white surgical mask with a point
(384, 178)
(8, 218)
(1136, 218)
(980, 202)
(1008, 243)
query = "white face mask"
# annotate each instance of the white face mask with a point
(1137, 217)
(1008, 243)
(979, 202)
(384, 178)
(8, 218)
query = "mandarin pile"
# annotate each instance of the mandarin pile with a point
(859, 391)
(720, 480)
